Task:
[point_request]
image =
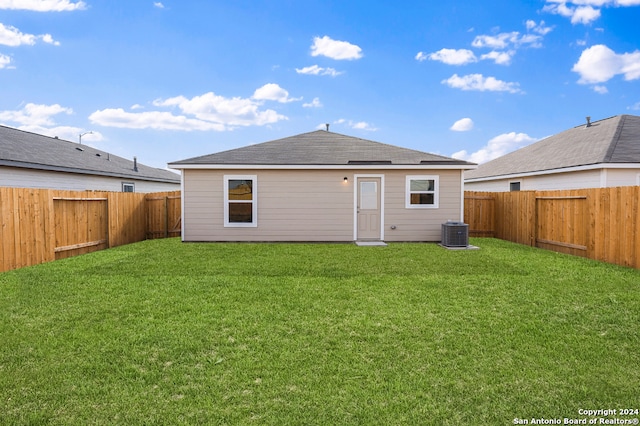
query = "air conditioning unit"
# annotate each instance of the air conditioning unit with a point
(455, 234)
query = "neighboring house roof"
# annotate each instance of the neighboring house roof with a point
(322, 148)
(23, 149)
(615, 140)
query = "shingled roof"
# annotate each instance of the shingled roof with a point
(612, 140)
(321, 148)
(23, 149)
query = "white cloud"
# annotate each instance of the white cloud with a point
(335, 49)
(538, 28)
(49, 40)
(462, 125)
(226, 111)
(579, 15)
(505, 40)
(68, 133)
(634, 107)
(584, 15)
(43, 5)
(421, 56)
(34, 114)
(480, 83)
(158, 5)
(503, 46)
(600, 89)
(360, 125)
(40, 119)
(453, 56)
(11, 36)
(599, 64)
(205, 112)
(317, 70)
(5, 61)
(273, 92)
(315, 103)
(584, 11)
(158, 120)
(496, 147)
(500, 58)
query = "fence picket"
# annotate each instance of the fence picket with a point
(40, 225)
(599, 223)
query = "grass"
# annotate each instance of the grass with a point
(162, 332)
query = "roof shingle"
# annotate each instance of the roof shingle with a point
(19, 148)
(612, 140)
(321, 148)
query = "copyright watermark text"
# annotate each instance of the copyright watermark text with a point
(615, 416)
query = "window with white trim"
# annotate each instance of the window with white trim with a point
(422, 192)
(240, 201)
(128, 187)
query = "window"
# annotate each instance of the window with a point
(240, 203)
(422, 192)
(128, 187)
(514, 186)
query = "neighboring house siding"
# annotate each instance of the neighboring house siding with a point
(596, 178)
(622, 177)
(30, 178)
(500, 185)
(313, 205)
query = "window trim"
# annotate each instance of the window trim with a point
(131, 184)
(254, 201)
(436, 192)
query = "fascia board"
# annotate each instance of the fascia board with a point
(322, 167)
(556, 171)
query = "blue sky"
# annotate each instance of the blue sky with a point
(169, 80)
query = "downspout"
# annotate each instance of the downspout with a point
(182, 197)
(461, 195)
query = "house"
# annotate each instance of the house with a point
(597, 154)
(30, 160)
(320, 186)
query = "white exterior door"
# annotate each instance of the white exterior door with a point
(369, 209)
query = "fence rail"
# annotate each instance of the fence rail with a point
(598, 223)
(41, 225)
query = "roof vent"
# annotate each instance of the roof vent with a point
(327, 124)
(135, 164)
(588, 122)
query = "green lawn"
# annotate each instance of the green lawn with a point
(163, 332)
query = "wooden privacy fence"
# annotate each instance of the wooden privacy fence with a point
(164, 215)
(41, 225)
(598, 223)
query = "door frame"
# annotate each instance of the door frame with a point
(356, 191)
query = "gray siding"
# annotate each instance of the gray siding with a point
(596, 178)
(30, 178)
(313, 205)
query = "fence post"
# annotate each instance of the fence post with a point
(166, 216)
